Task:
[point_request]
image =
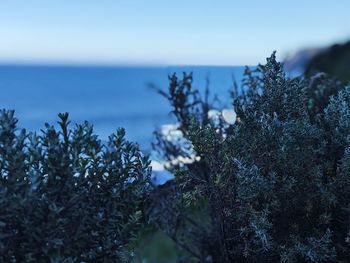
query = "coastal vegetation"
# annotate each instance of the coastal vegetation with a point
(66, 197)
(272, 185)
(334, 61)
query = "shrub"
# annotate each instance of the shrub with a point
(66, 197)
(274, 186)
(271, 184)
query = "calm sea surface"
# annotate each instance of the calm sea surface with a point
(107, 97)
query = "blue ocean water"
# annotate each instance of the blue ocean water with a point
(107, 97)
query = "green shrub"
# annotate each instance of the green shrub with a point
(274, 186)
(66, 197)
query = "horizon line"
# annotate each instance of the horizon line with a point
(111, 65)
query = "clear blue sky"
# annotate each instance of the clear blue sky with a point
(166, 31)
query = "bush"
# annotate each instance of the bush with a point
(66, 197)
(274, 186)
(271, 184)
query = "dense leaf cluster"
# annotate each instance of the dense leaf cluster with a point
(66, 197)
(273, 187)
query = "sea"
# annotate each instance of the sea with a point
(107, 96)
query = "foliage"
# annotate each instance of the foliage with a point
(274, 186)
(66, 197)
(271, 186)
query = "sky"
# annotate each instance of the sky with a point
(192, 32)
